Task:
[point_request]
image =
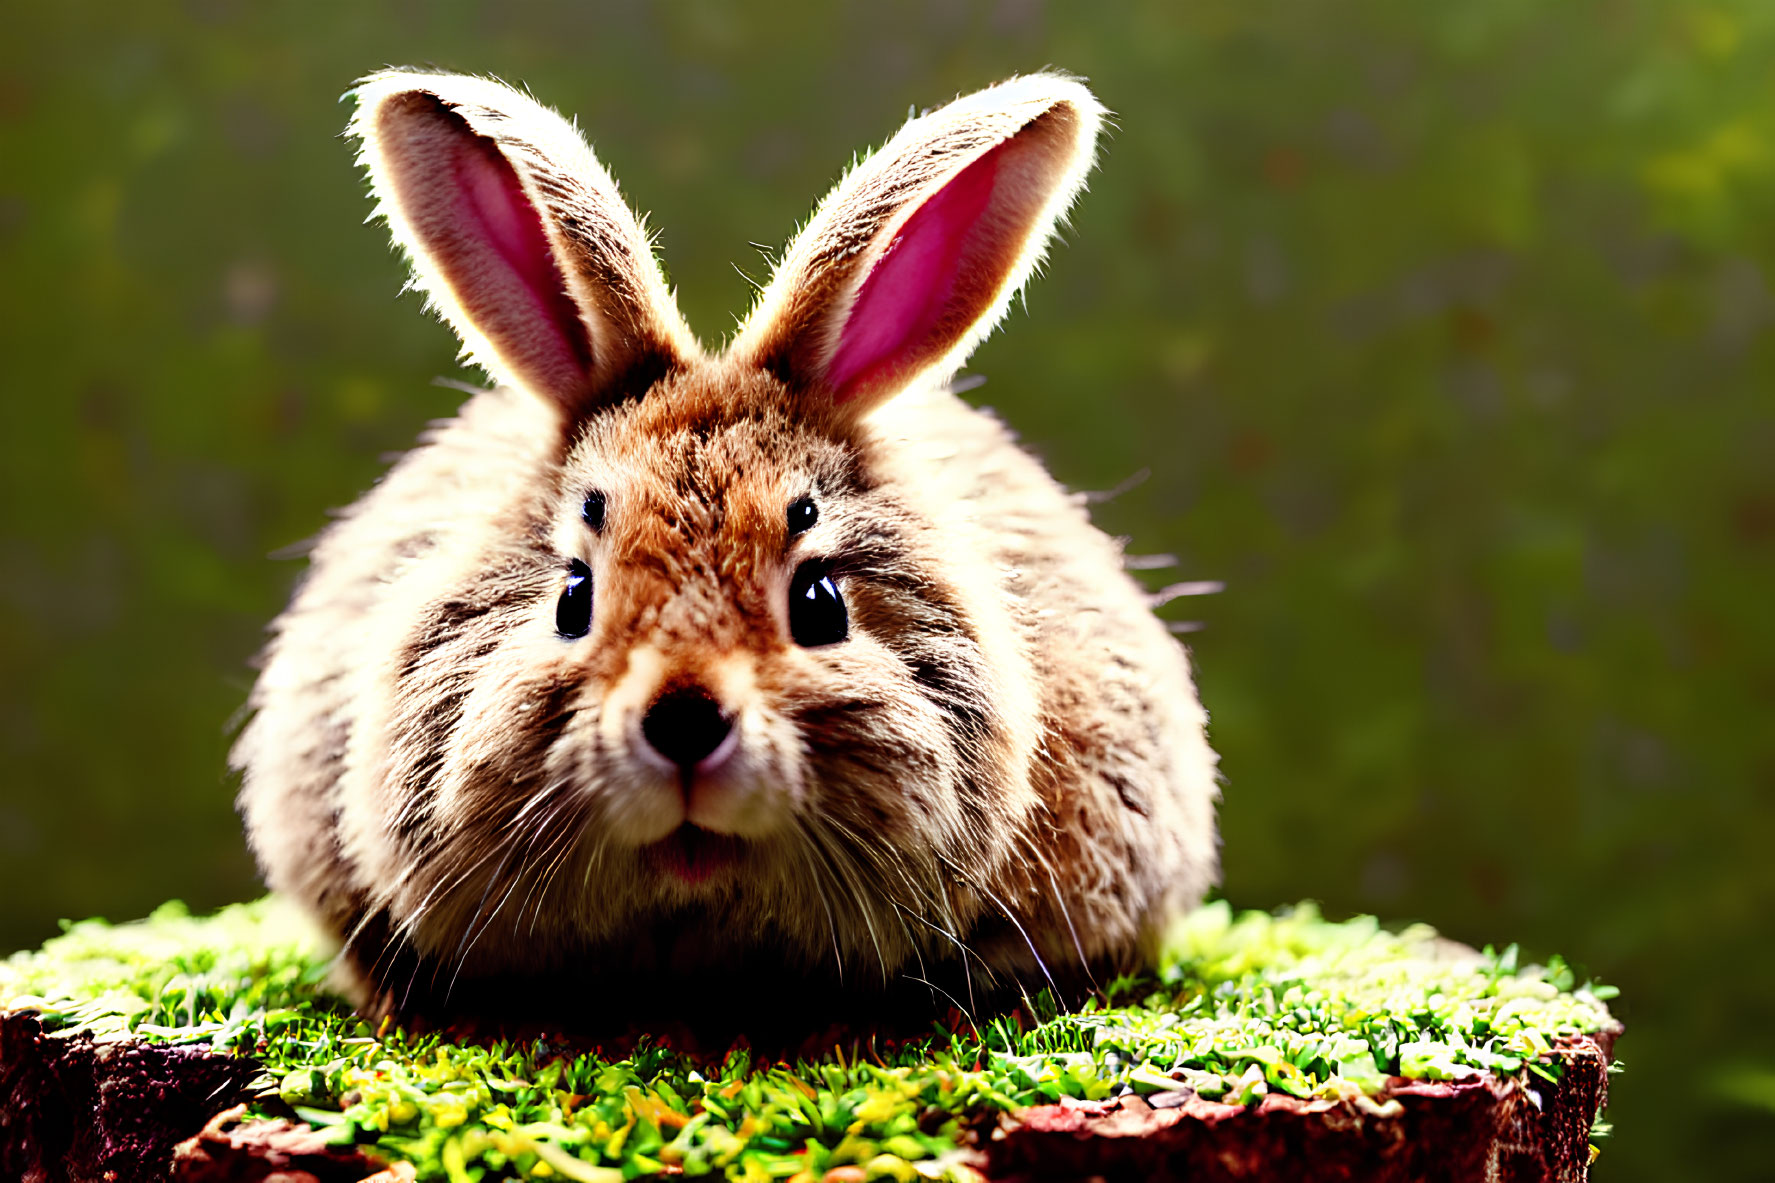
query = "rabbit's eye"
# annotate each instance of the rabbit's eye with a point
(593, 511)
(573, 613)
(803, 513)
(817, 615)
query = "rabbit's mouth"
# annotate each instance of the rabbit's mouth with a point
(693, 855)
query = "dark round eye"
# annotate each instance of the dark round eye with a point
(817, 615)
(803, 513)
(593, 510)
(573, 613)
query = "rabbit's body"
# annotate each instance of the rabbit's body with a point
(785, 652)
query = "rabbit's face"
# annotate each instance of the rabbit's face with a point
(730, 669)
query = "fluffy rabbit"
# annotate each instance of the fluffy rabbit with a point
(660, 662)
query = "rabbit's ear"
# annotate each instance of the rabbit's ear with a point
(912, 260)
(518, 237)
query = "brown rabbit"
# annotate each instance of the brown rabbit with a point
(658, 662)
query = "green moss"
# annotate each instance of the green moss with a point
(1241, 1005)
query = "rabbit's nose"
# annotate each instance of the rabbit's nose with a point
(687, 727)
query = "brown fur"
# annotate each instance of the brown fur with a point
(1002, 768)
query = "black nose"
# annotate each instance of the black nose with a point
(685, 725)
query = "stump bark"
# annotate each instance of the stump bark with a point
(1499, 1131)
(111, 1111)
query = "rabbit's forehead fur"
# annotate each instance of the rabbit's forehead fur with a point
(697, 478)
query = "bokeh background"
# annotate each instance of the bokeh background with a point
(1443, 329)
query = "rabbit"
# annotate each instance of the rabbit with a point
(654, 663)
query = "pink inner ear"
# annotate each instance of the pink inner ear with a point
(528, 305)
(904, 297)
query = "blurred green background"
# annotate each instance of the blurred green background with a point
(1443, 328)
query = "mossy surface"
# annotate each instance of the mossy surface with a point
(1241, 1005)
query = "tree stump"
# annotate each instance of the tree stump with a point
(207, 1050)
